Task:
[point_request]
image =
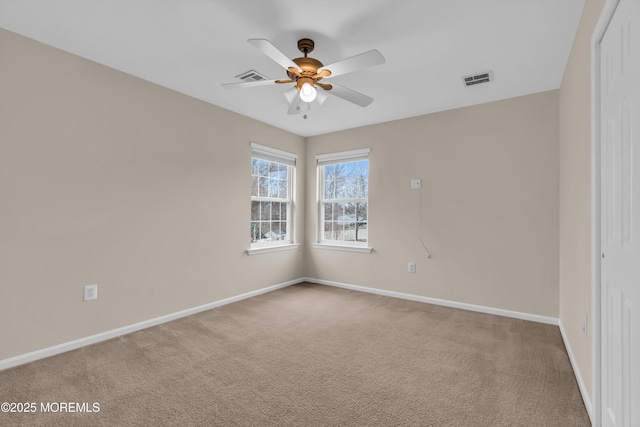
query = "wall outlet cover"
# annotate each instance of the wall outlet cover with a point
(90, 292)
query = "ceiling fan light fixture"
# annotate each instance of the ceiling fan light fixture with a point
(306, 72)
(307, 92)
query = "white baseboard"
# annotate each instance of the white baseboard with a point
(436, 301)
(576, 371)
(82, 342)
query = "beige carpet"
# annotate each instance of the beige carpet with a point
(312, 355)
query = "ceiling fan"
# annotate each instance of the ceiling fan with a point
(306, 73)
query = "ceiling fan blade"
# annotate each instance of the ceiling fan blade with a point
(350, 95)
(240, 85)
(354, 63)
(273, 52)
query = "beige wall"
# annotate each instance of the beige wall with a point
(575, 191)
(489, 205)
(108, 179)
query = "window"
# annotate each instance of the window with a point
(271, 201)
(344, 198)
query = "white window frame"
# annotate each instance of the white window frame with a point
(335, 158)
(269, 154)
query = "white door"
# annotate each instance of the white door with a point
(620, 214)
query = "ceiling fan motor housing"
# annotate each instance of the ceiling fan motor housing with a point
(308, 66)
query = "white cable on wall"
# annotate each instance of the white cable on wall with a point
(420, 224)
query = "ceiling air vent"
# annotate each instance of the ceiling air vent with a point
(251, 76)
(475, 79)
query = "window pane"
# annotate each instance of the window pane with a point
(265, 230)
(363, 168)
(327, 208)
(350, 211)
(276, 231)
(273, 169)
(282, 171)
(255, 211)
(351, 190)
(283, 211)
(350, 170)
(328, 172)
(362, 232)
(361, 211)
(283, 229)
(264, 187)
(254, 166)
(265, 211)
(362, 191)
(254, 186)
(255, 231)
(273, 187)
(329, 187)
(263, 168)
(363, 179)
(338, 211)
(282, 189)
(340, 184)
(328, 231)
(349, 234)
(338, 230)
(275, 210)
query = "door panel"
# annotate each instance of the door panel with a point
(620, 216)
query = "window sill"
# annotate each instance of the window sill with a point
(361, 249)
(267, 249)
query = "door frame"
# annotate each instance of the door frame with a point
(596, 249)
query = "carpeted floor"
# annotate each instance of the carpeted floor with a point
(311, 355)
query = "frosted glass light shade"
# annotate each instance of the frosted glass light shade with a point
(307, 92)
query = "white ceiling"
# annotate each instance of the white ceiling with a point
(193, 46)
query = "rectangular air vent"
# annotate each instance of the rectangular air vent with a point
(475, 79)
(251, 76)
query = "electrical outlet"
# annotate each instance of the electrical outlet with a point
(416, 184)
(585, 324)
(90, 292)
(411, 267)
